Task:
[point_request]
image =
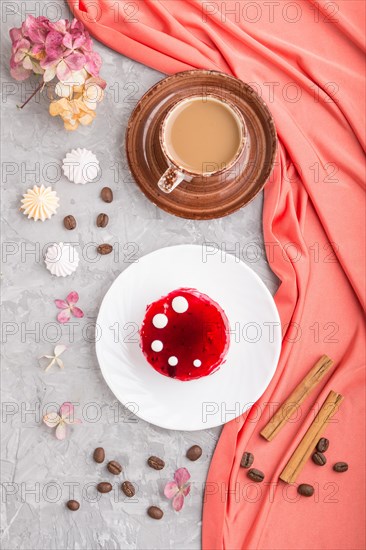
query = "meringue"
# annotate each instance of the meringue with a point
(40, 203)
(61, 259)
(80, 166)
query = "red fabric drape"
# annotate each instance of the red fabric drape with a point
(306, 60)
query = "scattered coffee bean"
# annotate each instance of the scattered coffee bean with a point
(99, 455)
(102, 220)
(155, 512)
(104, 249)
(319, 459)
(322, 445)
(156, 463)
(114, 467)
(340, 467)
(255, 475)
(69, 222)
(128, 489)
(247, 460)
(104, 487)
(305, 490)
(194, 453)
(73, 505)
(106, 194)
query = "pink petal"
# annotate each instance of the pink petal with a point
(72, 298)
(93, 63)
(186, 490)
(52, 419)
(53, 44)
(75, 61)
(66, 410)
(171, 489)
(61, 304)
(15, 34)
(77, 26)
(19, 73)
(64, 316)
(61, 431)
(178, 502)
(67, 40)
(77, 312)
(181, 476)
(62, 25)
(63, 71)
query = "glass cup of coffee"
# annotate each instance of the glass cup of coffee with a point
(201, 135)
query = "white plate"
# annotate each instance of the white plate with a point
(255, 339)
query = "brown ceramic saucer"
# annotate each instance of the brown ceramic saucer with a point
(204, 197)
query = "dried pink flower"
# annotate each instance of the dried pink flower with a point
(68, 308)
(60, 421)
(179, 488)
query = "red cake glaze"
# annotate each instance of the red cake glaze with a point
(201, 333)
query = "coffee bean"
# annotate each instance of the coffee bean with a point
(156, 463)
(99, 455)
(255, 475)
(102, 220)
(319, 459)
(322, 445)
(340, 467)
(73, 505)
(104, 249)
(106, 194)
(69, 222)
(128, 489)
(114, 467)
(194, 453)
(104, 487)
(305, 490)
(155, 512)
(247, 460)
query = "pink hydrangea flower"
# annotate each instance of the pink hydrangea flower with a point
(60, 421)
(179, 488)
(62, 50)
(68, 308)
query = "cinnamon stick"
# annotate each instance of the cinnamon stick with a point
(290, 406)
(310, 439)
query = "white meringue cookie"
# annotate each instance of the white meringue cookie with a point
(40, 203)
(61, 259)
(80, 166)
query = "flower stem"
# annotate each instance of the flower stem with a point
(33, 94)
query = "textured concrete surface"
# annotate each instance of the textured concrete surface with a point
(39, 472)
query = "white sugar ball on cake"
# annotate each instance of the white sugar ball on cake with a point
(173, 361)
(160, 320)
(197, 363)
(157, 345)
(180, 304)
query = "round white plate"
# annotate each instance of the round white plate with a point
(255, 339)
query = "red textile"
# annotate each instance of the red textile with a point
(306, 60)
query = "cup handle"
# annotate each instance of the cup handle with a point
(171, 178)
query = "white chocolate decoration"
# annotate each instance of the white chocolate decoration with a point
(173, 361)
(157, 345)
(180, 304)
(61, 259)
(80, 166)
(160, 320)
(40, 203)
(197, 363)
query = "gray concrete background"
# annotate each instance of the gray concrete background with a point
(38, 471)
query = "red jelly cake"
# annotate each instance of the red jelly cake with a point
(185, 335)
